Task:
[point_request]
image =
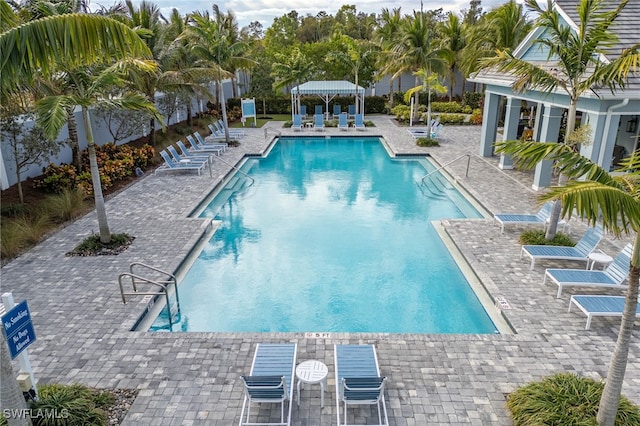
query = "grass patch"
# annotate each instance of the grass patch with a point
(536, 237)
(565, 399)
(427, 142)
(92, 246)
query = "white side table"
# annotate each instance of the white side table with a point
(598, 257)
(311, 372)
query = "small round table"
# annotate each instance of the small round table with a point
(598, 257)
(311, 372)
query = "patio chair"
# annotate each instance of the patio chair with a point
(297, 123)
(170, 164)
(612, 276)
(206, 147)
(343, 124)
(318, 122)
(433, 133)
(358, 380)
(337, 110)
(600, 306)
(216, 136)
(270, 380)
(352, 111)
(303, 111)
(581, 251)
(189, 157)
(359, 122)
(203, 142)
(318, 110)
(235, 132)
(540, 218)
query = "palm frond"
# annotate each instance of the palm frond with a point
(52, 113)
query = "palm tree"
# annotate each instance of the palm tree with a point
(292, 69)
(574, 63)
(88, 87)
(216, 49)
(453, 41)
(596, 195)
(357, 57)
(503, 28)
(417, 49)
(430, 83)
(386, 36)
(40, 46)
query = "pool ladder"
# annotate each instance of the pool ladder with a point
(161, 285)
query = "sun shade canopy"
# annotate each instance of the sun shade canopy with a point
(330, 87)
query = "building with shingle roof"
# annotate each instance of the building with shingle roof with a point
(612, 116)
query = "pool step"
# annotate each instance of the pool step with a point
(162, 322)
(435, 187)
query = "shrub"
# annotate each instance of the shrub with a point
(427, 142)
(66, 205)
(92, 246)
(450, 107)
(74, 405)
(12, 241)
(536, 237)
(452, 118)
(57, 178)
(401, 112)
(33, 226)
(565, 399)
(472, 99)
(476, 116)
(13, 210)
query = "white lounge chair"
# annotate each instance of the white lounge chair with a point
(171, 165)
(203, 143)
(581, 251)
(190, 156)
(612, 276)
(359, 122)
(600, 306)
(343, 124)
(358, 381)
(216, 148)
(270, 380)
(433, 132)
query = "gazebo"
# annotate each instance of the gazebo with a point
(327, 90)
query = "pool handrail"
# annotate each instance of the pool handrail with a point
(445, 165)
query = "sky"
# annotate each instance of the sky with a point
(247, 11)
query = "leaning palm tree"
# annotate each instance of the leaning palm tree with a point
(596, 195)
(574, 61)
(453, 41)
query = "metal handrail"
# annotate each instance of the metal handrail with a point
(162, 284)
(445, 165)
(237, 169)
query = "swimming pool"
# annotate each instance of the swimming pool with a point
(334, 236)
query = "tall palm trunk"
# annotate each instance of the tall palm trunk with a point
(391, 93)
(562, 179)
(152, 132)
(72, 126)
(610, 400)
(10, 394)
(223, 106)
(103, 226)
(189, 113)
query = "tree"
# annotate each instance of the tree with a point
(596, 195)
(387, 36)
(217, 49)
(358, 57)
(417, 50)
(574, 63)
(430, 83)
(90, 88)
(454, 42)
(292, 69)
(38, 47)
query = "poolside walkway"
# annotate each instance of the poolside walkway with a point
(83, 334)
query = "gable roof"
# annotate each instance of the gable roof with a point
(625, 27)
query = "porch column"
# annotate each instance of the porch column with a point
(537, 124)
(510, 132)
(489, 124)
(609, 138)
(597, 124)
(551, 120)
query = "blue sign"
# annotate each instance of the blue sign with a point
(18, 328)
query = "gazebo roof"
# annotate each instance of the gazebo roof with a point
(328, 87)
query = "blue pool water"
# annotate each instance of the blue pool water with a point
(334, 236)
